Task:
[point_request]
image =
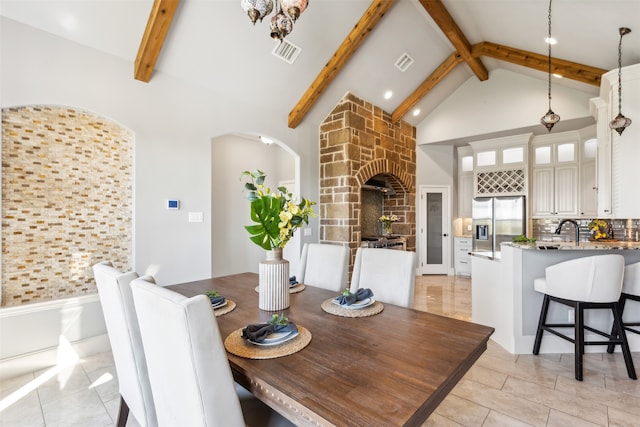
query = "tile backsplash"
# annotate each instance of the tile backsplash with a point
(623, 229)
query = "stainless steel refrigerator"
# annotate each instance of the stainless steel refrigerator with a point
(497, 220)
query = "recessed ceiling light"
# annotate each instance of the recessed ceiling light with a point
(557, 76)
(550, 41)
(266, 140)
(388, 94)
(416, 112)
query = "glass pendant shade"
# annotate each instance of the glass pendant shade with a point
(287, 11)
(256, 9)
(620, 123)
(294, 7)
(281, 26)
(549, 119)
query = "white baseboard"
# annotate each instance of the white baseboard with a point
(43, 359)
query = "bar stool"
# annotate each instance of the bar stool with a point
(631, 291)
(593, 282)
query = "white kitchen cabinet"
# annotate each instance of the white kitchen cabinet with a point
(555, 192)
(588, 176)
(566, 190)
(500, 166)
(542, 196)
(588, 190)
(555, 175)
(618, 173)
(465, 195)
(462, 259)
(465, 181)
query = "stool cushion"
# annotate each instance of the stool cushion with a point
(540, 285)
(631, 284)
(590, 279)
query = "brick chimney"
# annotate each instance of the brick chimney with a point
(358, 141)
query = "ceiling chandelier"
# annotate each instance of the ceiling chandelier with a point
(551, 118)
(620, 123)
(287, 12)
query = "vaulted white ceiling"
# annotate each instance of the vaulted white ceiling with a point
(212, 44)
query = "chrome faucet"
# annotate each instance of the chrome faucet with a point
(575, 224)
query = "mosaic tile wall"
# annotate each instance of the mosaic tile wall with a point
(623, 230)
(66, 201)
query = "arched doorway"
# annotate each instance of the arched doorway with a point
(231, 154)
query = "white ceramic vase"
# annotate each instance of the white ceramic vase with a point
(273, 282)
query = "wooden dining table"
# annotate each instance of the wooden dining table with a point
(389, 369)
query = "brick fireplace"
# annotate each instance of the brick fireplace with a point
(358, 142)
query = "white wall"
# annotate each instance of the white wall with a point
(232, 250)
(505, 101)
(174, 124)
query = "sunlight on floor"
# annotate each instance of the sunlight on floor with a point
(445, 295)
(67, 358)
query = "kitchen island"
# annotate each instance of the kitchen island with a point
(503, 295)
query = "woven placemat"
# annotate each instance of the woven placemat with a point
(331, 308)
(292, 290)
(240, 347)
(231, 305)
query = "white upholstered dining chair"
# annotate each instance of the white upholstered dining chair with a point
(324, 265)
(126, 344)
(389, 273)
(190, 375)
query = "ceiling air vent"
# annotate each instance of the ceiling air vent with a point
(287, 51)
(404, 62)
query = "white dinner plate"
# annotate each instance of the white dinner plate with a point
(356, 305)
(273, 340)
(222, 304)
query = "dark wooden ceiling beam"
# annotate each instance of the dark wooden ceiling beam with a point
(360, 31)
(425, 87)
(443, 19)
(158, 25)
(567, 69)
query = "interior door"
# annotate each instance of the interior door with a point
(435, 234)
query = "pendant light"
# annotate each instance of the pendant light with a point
(551, 118)
(287, 12)
(620, 123)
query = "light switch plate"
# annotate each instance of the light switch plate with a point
(196, 216)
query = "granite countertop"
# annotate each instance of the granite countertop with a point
(571, 246)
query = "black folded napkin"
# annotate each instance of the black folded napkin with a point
(293, 281)
(217, 300)
(260, 331)
(361, 294)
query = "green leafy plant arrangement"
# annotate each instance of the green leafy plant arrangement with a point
(523, 239)
(276, 215)
(279, 320)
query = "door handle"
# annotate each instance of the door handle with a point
(445, 235)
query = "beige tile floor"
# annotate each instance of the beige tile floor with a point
(501, 389)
